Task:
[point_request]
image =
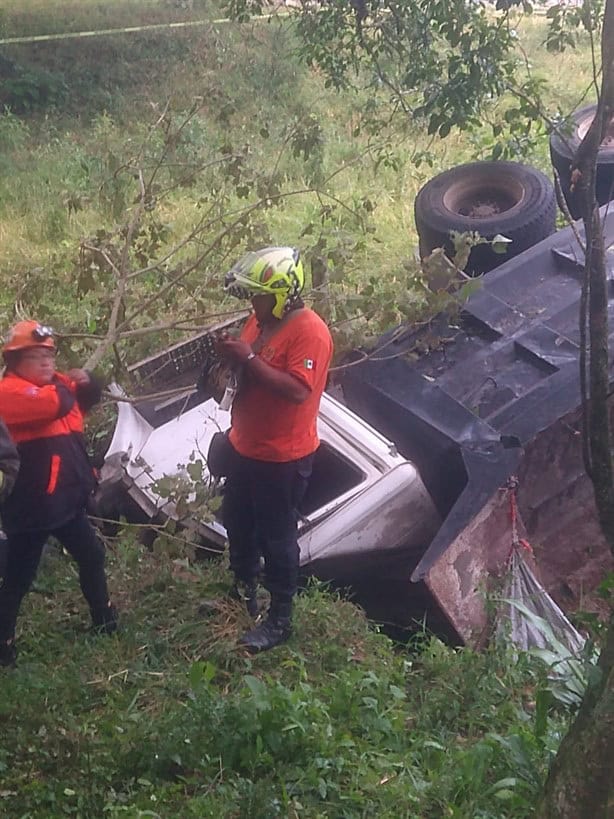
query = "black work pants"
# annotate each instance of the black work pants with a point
(260, 513)
(24, 550)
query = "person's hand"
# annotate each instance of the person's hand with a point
(232, 349)
(79, 376)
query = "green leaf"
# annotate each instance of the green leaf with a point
(507, 782)
(201, 673)
(195, 470)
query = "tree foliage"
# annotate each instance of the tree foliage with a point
(443, 64)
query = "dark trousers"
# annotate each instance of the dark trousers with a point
(260, 513)
(24, 550)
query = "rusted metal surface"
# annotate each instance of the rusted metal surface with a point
(557, 505)
(472, 567)
(557, 516)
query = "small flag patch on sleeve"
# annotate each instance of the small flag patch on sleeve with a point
(309, 364)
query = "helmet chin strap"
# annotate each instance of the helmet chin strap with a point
(293, 296)
(239, 292)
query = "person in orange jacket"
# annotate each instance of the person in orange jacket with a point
(43, 410)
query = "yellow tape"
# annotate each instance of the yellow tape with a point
(72, 35)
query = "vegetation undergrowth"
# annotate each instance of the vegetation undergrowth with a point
(171, 718)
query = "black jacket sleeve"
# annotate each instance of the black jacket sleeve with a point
(9, 461)
(66, 399)
(88, 395)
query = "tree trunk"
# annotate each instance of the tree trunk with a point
(581, 781)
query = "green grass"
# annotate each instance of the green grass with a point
(67, 134)
(57, 16)
(170, 716)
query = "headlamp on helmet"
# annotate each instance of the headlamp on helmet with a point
(26, 334)
(41, 332)
(276, 271)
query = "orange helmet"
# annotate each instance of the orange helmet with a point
(26, 334)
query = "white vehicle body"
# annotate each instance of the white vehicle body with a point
(363, 497)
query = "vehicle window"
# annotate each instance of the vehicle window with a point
(332, 476)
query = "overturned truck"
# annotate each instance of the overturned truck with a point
(489, 406)
(448, 442)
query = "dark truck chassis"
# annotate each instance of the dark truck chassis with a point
(473, 401)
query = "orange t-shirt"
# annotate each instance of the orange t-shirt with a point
(266, 426)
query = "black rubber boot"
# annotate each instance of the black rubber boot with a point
(267, 635)
(104, 621)
(276, 629)
(8, 654)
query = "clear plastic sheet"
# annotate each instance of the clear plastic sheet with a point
(529, 617)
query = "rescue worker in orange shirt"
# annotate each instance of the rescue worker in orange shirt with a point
(284, 352)
(43, 410)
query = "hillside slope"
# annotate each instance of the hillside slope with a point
(170, 719)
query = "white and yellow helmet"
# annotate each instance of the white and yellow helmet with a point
(277, 271)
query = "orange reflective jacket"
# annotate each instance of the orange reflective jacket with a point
(55, 477)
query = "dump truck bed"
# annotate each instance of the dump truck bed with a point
(482, 396)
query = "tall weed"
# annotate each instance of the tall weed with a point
(14, 132)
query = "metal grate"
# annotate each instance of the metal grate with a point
(181, 363)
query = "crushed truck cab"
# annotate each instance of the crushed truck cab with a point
(363, 498)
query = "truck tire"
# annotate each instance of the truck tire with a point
(563, 150)
(490, 198)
